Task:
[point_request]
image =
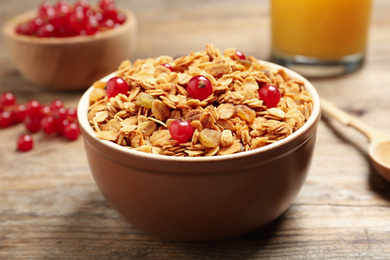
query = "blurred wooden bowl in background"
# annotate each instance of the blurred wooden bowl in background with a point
(69, 63)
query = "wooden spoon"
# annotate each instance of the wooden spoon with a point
(379, 149)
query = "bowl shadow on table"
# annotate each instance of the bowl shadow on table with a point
(378, 184)
(111, 236)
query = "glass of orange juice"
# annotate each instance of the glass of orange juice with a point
(320, 38)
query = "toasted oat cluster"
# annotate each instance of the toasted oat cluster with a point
(232, 119)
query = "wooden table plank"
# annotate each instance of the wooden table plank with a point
(50, 207)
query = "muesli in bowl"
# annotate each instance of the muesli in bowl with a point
(185, 163)
(203, 104)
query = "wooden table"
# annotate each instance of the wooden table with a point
(50, 207)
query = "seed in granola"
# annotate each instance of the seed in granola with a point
(199, 87)
(115, 86)
(210, 137)
(270, 95)
(245, 113)
(145, 100)
(181, 130)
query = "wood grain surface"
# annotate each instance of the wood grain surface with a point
(50, 207)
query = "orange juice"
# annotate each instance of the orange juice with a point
(325, 29)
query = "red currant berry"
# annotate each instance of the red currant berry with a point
(19, 113)
(56, 104)
(23, 29)
(181, 130)
(33, 108)
(168, 66)
(25, 143)
(60, 113)
(270, 95)
(72, 131)
(115, 86)
(71, 114)
(92, 25)
(106, 4)
(109, 23)
(61, 125)
(77, 22)
(99, 17)
(199, 87)
(46, 30)
(5, 119)
(49, 124)
(240, 55)
(7, 99)
(35, 24)
(62, 13)
(46, 110)
(46, 11)
(32, 124)
(82, 5)
(120, 18)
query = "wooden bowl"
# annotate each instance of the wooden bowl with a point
(70, 63)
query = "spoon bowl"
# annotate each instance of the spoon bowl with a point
(380, 157)
(379, 149)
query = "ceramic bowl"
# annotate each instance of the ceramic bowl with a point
(202, 198)
(69, 63)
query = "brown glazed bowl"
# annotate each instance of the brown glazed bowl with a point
(202, 198)
(69, 63)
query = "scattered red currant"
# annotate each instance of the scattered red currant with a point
(5, 119)
(32, 124)
(115, 86)
(19, 113)
(240, 55)
(51, 118)
(199, 87)
(60, 113)
(7, 99)
(33, 108)
(46, 110)
(181, 130)
(49, 124)
(62, 124)
(72, 131)
(270, 95)
(56, 104)
(25, 142)
(72, 113)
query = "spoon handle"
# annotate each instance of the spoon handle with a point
(330, 109)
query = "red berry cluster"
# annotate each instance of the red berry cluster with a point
(52, 118)
(65, 20)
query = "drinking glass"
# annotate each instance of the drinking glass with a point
(320, 38)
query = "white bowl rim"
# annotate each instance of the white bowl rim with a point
(82, 113)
